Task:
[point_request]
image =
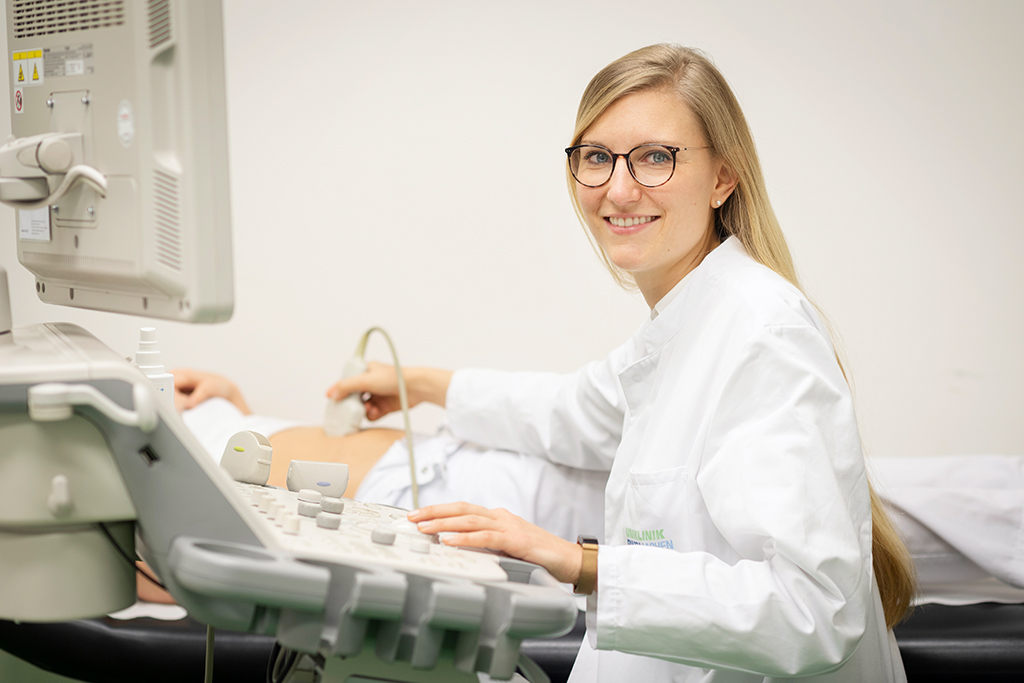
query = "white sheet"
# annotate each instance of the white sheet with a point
(963, 520)
(216, 420)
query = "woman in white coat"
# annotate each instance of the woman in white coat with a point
(741, 541)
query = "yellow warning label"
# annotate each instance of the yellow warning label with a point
(29, 62)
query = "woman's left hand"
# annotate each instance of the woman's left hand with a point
(499, 529)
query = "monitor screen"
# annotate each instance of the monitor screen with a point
(118, 163)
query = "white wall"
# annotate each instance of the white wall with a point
(891, 135)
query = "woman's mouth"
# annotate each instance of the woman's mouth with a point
(628, 224)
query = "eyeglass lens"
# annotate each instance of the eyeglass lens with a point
(651, 165)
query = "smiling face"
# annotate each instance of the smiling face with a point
(657, 234)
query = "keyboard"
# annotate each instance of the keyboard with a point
(312, 526)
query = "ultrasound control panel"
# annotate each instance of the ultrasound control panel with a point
(352, 586)
(313, 526)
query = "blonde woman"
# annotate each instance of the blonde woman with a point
(742, 540)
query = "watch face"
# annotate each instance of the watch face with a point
(586, 540)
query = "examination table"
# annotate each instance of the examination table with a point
(982, 643)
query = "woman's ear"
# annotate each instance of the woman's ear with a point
(726, 181)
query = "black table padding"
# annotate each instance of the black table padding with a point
(557, 655)
(983, 643)
(940, 644)
(115, 651)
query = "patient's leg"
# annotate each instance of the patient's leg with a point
(360, 451)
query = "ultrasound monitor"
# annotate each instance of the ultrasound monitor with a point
(118, 162)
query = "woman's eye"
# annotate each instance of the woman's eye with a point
(656, 157)
(596, 157)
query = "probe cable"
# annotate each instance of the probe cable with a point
(208, 674)
(403, 399)
(130, 561)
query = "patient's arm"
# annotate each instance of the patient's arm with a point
(192, 387)
(149, 591)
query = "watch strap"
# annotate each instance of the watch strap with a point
(587, 581)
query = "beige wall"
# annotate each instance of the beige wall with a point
(890, 134)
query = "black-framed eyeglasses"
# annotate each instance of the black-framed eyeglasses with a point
(650, 165)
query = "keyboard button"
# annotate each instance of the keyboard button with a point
(328, 520)
(334, 505)
(383, 535)
(309, 495)
(308, 509)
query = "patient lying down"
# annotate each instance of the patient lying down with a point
(558, 498)
(360, 450)
(562, 500)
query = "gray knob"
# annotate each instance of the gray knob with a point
(310, 495)
(328, 520)
(59, 502)
(335, 505)
(307, 509)
(383, 535)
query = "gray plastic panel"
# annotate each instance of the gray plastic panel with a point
(239, 572)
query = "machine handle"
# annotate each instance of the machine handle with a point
(234, 571)
(52, 402)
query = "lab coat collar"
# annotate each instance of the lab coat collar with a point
(672, 309)
(670, 297)
(637, 377)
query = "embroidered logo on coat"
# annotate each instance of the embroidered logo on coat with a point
(652, 537)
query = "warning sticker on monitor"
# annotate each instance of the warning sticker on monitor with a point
(28, 68)
(34, 225)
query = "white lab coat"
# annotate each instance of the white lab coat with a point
(737, 520)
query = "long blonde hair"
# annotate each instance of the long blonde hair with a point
(746, 214)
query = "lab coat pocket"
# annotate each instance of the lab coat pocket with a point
(656, 508)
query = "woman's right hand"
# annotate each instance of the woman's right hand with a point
(378, 387)
(472, 526)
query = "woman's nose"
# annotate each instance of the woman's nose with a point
(623, 189)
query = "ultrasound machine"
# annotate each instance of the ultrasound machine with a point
(118, 168)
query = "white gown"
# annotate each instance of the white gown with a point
(737, 519)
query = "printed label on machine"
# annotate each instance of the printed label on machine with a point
(34, 225)
(70, 60)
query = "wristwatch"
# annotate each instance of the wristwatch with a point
(587, 582)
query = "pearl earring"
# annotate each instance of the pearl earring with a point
(718, 203)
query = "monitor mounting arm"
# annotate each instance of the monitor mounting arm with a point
(37, 171)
